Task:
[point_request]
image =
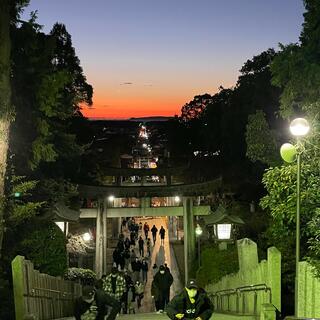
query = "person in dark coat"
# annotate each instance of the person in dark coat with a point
(124, 299)
(192, 303)
(95, 301)
(141, 246)
(144, 268)
(127, 243)
(160, 287)
(162, 233)
(132, 238)
(146, 229)
(154, 231)
(136, 268)
(116, 256)
(122, 260)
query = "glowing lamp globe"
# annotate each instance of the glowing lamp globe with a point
(299, 127)
(288, 152)
(111, 198)
(198, 230)
(86, 236)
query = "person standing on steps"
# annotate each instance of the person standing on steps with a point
(160, 286)
(192, 303)
(139, 291)
(146, 229)
(149, 247)
(124, 299)
(162, 233)
(136, 268)
(144, 268)
(141, 246)
(154, 231)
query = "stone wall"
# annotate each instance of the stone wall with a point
(251, 272)
(308, 292)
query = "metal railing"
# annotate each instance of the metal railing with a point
(221, 299)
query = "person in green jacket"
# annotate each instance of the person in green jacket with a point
(192, 303)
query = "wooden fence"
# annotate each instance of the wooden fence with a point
(40, 295)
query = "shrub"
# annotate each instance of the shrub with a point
(45, 245)
(85, 276)
(216, 264)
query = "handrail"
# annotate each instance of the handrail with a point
(240, 291)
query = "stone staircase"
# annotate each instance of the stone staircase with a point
(163, 316)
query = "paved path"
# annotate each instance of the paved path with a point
(160, 255)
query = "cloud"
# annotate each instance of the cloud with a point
(148, 85)
(126, 84)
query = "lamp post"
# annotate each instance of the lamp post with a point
(198, 234)
(298, 127)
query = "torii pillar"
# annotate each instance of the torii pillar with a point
(189, 235)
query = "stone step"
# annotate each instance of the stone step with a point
(143, 316)
(163, 316)
(231, 316)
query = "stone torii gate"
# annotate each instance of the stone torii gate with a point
(187, 193)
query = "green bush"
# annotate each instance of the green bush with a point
(216, 264)
(85, 276)
(45, 245)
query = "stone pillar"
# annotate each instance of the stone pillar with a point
(185, 240)
(188, 234)
(192, 233)
(105, 240)
(274, 276)
(247, 254)
(99, 240)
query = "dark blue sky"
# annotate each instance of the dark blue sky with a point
(170, 50)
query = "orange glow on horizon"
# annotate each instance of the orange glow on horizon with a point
(127, 108)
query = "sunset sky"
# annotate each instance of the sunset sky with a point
(149, 57)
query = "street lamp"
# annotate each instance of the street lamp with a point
(198, 234)
(86, 236)
(298, 127)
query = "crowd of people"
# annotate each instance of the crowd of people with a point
(133, 266)
(123, 290)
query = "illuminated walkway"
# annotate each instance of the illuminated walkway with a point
(160, 255)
